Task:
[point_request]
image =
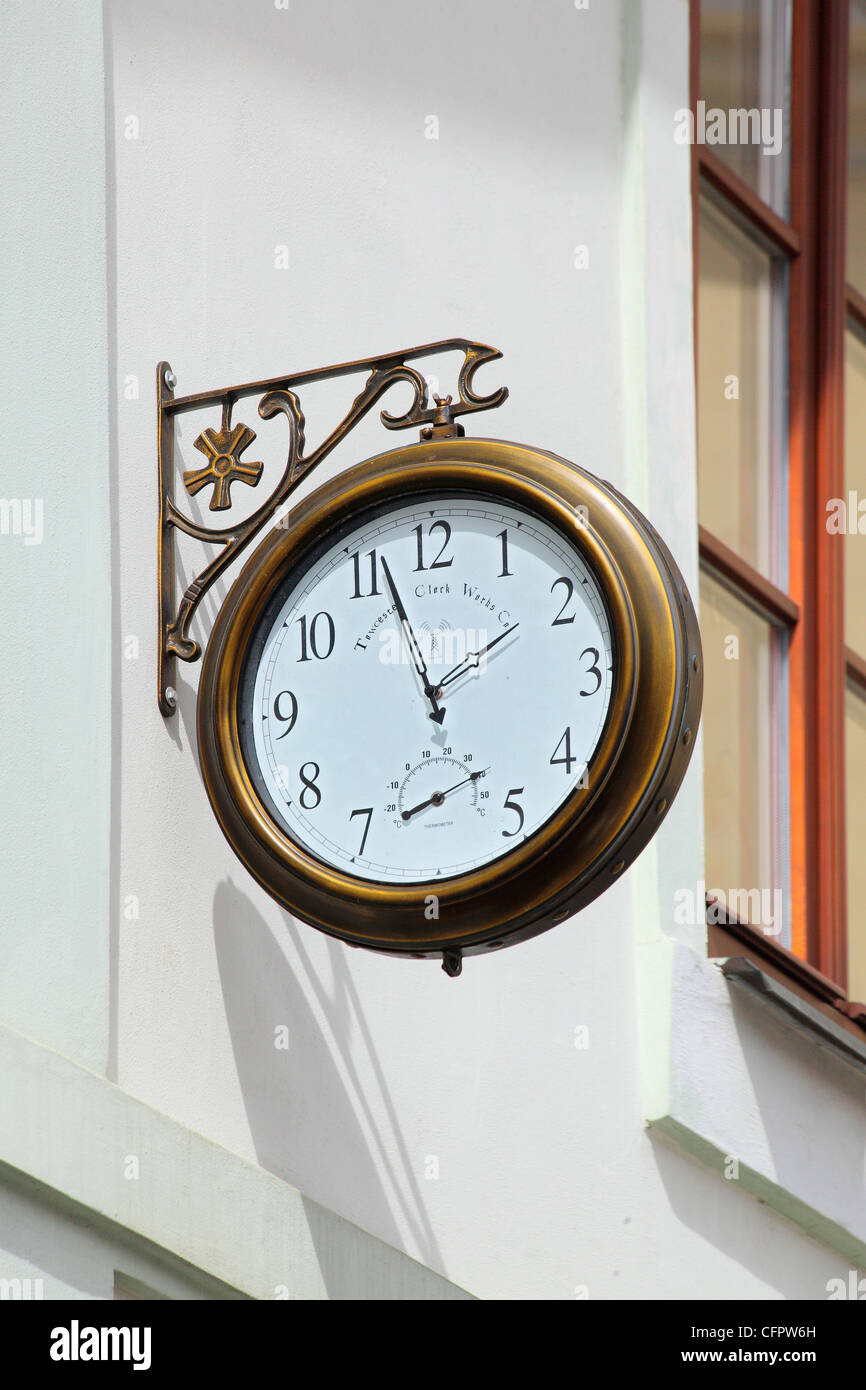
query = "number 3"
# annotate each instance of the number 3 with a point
(592, 670)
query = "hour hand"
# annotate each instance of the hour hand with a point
(438, 712)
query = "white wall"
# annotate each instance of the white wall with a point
(55, 595)
(93, 1182)
(234, 129)
(260, 127)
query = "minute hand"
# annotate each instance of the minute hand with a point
(420, 666)
(472, 659)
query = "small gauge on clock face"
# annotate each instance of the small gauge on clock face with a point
(425, 691)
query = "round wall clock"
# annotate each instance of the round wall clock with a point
(449, 703)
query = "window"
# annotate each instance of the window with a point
(780, 344)
(855, 504)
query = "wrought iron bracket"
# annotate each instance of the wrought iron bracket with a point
(223, 447)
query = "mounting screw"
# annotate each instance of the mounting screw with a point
(171, 696)
(170, 379)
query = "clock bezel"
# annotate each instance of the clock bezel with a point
(566, 861)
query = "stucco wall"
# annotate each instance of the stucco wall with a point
(55, 593)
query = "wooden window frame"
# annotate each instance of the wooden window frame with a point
(812, 241)
(855, 309)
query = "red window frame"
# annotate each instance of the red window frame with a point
(812, 239)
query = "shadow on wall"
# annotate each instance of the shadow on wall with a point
(77, 1253)
(303, 1115)
(807, 1144)
(50, 1243)
(736, 1223)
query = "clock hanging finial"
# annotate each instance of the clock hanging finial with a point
(444, 425)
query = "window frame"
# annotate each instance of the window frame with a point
(820, 301)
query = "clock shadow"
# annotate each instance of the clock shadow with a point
(300, 1111)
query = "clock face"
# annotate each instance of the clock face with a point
(424, 693)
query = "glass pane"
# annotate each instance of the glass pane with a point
(743, 723)
(857, 147)
(855, 786)
(745, 117)
(849, 519)
(742, 376)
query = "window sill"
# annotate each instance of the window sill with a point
(729, 937)
(756, 1069)
(745, 974)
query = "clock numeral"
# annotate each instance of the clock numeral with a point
(438, 563)
(569, 758)
(356, 562)
(315, 637)
(559, 620)
(514, 806)
(309, 787)
(288, 719)
(505, 571)
(591, 670)
(364, 811)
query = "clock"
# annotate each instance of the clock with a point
(447, 704)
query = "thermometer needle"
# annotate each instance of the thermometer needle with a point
(438, 797)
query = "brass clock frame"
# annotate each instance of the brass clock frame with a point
(632, 777)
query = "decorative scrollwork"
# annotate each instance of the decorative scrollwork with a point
(224, 447)
(177, 641)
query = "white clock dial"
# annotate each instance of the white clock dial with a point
(509, 623)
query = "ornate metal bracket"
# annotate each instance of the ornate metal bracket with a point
(223, 448)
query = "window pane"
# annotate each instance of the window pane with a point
(857, 147)
(855, 788)
(745, 58)
(742, 376)
(849, 519)
(744, 725)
